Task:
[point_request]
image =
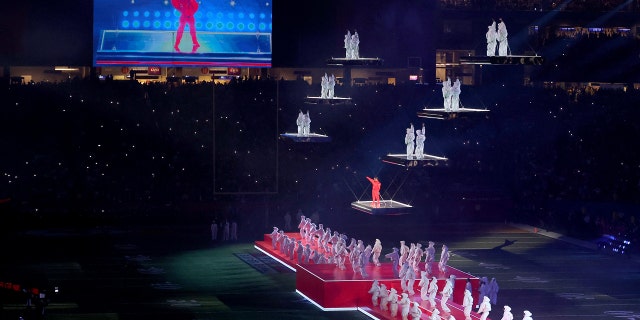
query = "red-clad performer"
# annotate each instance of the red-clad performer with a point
(375, 191)
(187, 10)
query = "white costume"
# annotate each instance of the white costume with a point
(300, 123)
(415, 312)
(409, 139)
(405, 304)
(420, 138)
(384, 297)
(377, 250)
(446, 94)
(527, 315)
(492, 35)
(331, 86)
(393, 302)
(467, 304)
(433, 290)
(355, 45)
(408, 280)
(347, 44)
(274, 238)
(435, 315)
(424, 285)
(507, 315)
(485, 308)
(324, 84)
(447, 291)
(306, 124)
(375, 292)
(455, 94)
(503, 42)
(303, 219)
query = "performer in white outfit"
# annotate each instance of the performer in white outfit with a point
(415, 311)
(447, 291)
(424, 285)
(393, 302)
(446, 94)
(485, 308)
(408, 280)
(507, 315)
(324, 84)
(503, 42)
(455, 94)
(384, 298)
(409, 139)
(467, 304)
(420, 139)
(433, 290)
(347, 44)
(435, 315)
(355, 45)
(331, 86)
(527, 315)
(375, 292)
(492, 36)
(377, 251)
(300, 123)
(405, 304)
(306, 124)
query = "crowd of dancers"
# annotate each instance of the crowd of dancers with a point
(410, 263)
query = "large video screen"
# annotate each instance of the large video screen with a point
(229, 33)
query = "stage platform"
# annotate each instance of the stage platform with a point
(312, 137)
(503, 60)
(360, 62)
(402, 160)
(149, 47)
(332, 289)
(327, 101)
(386, 208)
(459, 113)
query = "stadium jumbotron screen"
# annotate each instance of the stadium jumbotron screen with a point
(182, 33)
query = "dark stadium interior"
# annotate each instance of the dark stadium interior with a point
(87, 163)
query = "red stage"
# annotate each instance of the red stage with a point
(332, 289)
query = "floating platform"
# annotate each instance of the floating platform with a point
(503, 60)
(386, 207)
(360, 62)
(404, 161)
(443, 114)
(312, 137)
(328, 101)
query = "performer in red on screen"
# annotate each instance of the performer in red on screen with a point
(375, 191)
(187, 10)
